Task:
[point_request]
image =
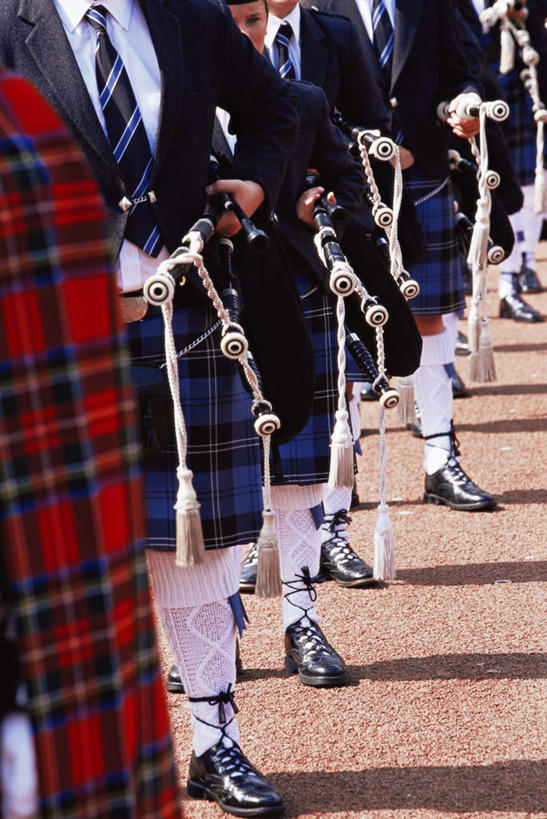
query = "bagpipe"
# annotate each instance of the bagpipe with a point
(222, 292)
(343, 284)
(513, 35)
(480, 243)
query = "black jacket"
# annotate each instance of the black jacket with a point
(198, 73)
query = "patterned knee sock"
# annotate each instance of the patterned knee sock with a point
(202, 638)
(335, 502)
(299, 547)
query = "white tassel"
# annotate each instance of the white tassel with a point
(189, 539)
(384, 547)
(478, 249)
(268, 580)
(406, 410)
(341, 475)
(507, 55)
(486, 367)
(473, 328)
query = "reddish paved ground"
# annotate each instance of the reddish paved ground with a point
(445, 714)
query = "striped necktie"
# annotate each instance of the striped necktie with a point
(282, 40)
(383, 37)
(127, 134)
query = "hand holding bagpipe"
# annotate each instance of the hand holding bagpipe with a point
(500, 9)
(496, 110)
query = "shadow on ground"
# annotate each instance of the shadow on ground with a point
(513, 787)
(476, 574)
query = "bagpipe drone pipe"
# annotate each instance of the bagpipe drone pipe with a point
(402, 341)
(411, 233)
(252, 278)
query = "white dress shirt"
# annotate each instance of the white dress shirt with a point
(128, 32)
(365, 10)
(274, 24)
(224, 121)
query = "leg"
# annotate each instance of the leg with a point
(511, 304)
(199, 623)
(308, 652)
(445, 481)
(338, 560)
(532, 223)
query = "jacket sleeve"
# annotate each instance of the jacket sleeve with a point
(457, 76)
(339, 172)
(263, 113)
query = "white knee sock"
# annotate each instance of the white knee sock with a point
(335, 500)
(433, 392)
(532, 223)
(299, 546)
(202, 636)
(507, 283)
(450, 321)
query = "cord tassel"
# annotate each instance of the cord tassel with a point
(406, 410)
(268, 581)
(341, 454)
(384, 546)
(473, 328)
(189, 537)
(486, 367)
(507, 54)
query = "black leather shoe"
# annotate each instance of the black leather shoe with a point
(249, 567)
(367, 392)
(528, 281)
(339, 562)
(225, 775)
(462, 345)
(175, 685)
(311, 657)
(459, 390)
(450, 486)
(514, 307)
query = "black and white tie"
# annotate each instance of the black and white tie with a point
(282, 40)
(383, 37)
(127, 135)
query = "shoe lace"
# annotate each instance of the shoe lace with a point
(252, 556)
(313, 640)
(221, 699)
(454, 443)
(234, 762)
(295, 587)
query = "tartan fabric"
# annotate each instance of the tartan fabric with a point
(306, 459)
(440, 273)
(519, 128)
(70, 486)
(224, 452)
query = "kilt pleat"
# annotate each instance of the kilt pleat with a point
(519, 128)
(439, 274)
(306, 459)
(223, 448)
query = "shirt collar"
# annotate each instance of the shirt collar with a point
(275, 22)
(73, 11)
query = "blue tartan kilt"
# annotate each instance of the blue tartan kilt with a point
(440, 273)
(223, 448)
(306, 459)
(519, 128)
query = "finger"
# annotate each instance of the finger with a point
(223, 186)
(331, 198)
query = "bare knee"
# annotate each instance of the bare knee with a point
(429, 325)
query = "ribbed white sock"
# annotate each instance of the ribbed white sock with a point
(299, 546)
(202, 636)
(450, 321)
(507, 284)
(335, 500)
(532, 224)
(433, 392)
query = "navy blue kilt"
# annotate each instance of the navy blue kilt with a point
(520, 128)
(440, 273)
(224, 452)
(306, 459)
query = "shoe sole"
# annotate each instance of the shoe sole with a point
(198, 791)
(316, 682)
(354, 584)
(248, 588)
(535, 320)
(175, 688)
(487, 506)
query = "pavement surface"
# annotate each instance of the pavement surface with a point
(445, 713)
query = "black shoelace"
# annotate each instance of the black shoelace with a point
(454, 443)
(301, 583)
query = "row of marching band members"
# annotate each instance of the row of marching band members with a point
(356, 137)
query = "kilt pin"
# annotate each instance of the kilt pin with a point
(223, 448)
(70, 486)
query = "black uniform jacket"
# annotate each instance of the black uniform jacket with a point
(204, 62)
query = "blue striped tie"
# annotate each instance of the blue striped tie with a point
(127, 134)
(383, 37)
(282, 40)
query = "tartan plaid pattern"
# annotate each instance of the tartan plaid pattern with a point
(223, 450)
(440, 273)
(306, 459)
(519, 128)
(70, 486)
